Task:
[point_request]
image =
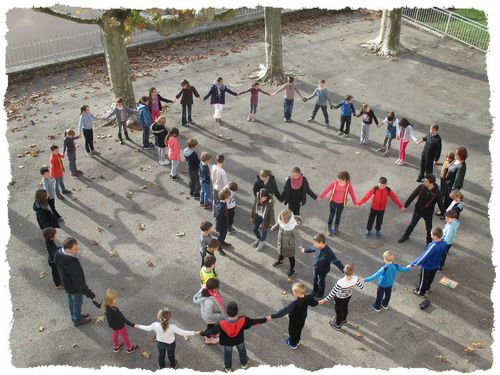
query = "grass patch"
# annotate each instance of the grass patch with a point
(473, 14)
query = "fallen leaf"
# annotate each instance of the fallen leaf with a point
(477, 345)
(186, 338)
(442, 358)
(180, 234)
(41, 329)
(284, 294)
(111, 194)
(357, 335)
(99, 319)
(153, 338)
(469, 350)
(43, 274)
(74, 345)
(146, 355)
(150, 263)
(94, 242)
(129, 194)
(100, 230)
(289, 280)
(109, 225)
(113, 253)
(144, 187)
(142, 226)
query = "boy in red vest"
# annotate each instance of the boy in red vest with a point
(380, 194)
(56, 170)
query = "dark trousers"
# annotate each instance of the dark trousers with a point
(383, 297)
(72, 162)
(52, 205)
(287, 108)
(414, 220)
(222, 229)
(323, 109)
(291, 259)
(345, 120)
(194, 183)
(210, 326)
(228, 355)
(88, 134)
(444, 256)
(294, 207)
(145, 136)
(295, 329)
(375, 214)
(55, 273)
(341, 309)
(163, 350)
(426, 279)
(426, 166)
(186, 113)
(319, 284)
(335, 212)
(231, 212)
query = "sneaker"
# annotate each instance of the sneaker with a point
(208, 207)
(403, 239)
(381, 149)
(75, 175)
(117, 349)
(277, 263)
(127, 138)
(133, 348)
(368, 233)
(60, 220)
(344, 321)
(397, 161)
(196, 197)
(82, 321)
(387, 153)
(287, 341)
(261, 245)
(244, 366)
(66, 191)
(386, 307)
(401, 163)
(285, 119)
(298, 343)
(345, 135)
(202, 205)
(340, 133)
(84, 315)
(60, 196)
(255, 243)
(310, 119)
(121, 141)
(231, 230)
(333, 231)
(420, 179)
(334, 325)
(79, 171)
(378, 233)
(327, 125)
(374, 308)
(226, 369)
(175, 365)
(417, 293)
(222, 252)
(249, 118)
(148, 147)
(290, 273)
(191, 122)
(176, 177)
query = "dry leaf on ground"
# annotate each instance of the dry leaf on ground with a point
(357, 335)
(150, 263)
(113, 253)
(41, 329)
(99, 319)
(93, 242)
(477, 345)
(442, 358)
(180, 234)
(142, 226)
(43, 274)
(146, 355)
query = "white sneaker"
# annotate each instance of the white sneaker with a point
(255, 243)
(397, 161)
(261, 245)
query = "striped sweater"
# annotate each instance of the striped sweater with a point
(343, 288)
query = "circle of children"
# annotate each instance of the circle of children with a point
(224, 323)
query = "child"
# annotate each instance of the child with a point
(321, 95)
(456, 202)
(386, 276)
(430, 261)
(70, 148)
(205, 181)
(367, 119)
(49, 184)
(50, 235)
(217, 96)
(449, 233)
(187, 92)
(218, 177)
(254, 99)
(85, 125)
(340, 188)
(232, 333)
(57, 170)
(208, 269)
(323, 256)
(392, 123)
(116, 320)
(265, 179)
(165, 337)
(288, 236)
(193, 162)
(207, 234)
(341, 293)
(231, 206)
(160, 132)
(450, 158)
(262, 217)
(44, 215)
(404, 133)
(295, 190)
(212, 246)
(222, 217)
(297, 313)
(288, 98)
(379, 202)
(174, 152)
(144, 117)
(120, 112)
(346, 111)
(430, 153)
(212, 310)
(155, 100)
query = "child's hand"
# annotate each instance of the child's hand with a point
(318, 199)
(303, 250)
(322, 302)
(197, 333)
(361, 279)
(332, 107)
(136, 326)
(268, 318)
(304, 99)
(403, 209)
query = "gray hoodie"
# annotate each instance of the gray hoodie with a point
(211, 311)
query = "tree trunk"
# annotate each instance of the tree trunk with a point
(273, 72)
(387, 42)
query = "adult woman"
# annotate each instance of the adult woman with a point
(265, 179)
(295, 190)
(454, 178)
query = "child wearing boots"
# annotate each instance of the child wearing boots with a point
(288, 237)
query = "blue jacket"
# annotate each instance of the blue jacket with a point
(323, 258)
(387, 275)
(144, 115)
(215, 98)
(221, 217)
(430, 259)
(346, 109)
(204, 174)
(450, 231)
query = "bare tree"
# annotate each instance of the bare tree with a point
(273, 72)
(387, 42)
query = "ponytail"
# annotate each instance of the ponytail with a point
(164, 316)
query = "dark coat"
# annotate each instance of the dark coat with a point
(454, 179)
(270, 186)
(268, 214)
(72, 274)
(45, 217)
(432, 148)
(305, 189)
(426, 200)
(187, 95)
(215, 98)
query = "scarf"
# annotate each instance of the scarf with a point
(215, 293)
(292, 223)
(296, 183)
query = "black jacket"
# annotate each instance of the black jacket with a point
(432, 148)
(454, 178)
(305, 190)
(160, 133)
(221, 217)
(297, 309)
(368, 117)
(192, 159)
(426, 200)
(232, 332)
(205, 174)
(45, 217)
(270, 186)
(72, 274)
(116, 320)
(187, 95)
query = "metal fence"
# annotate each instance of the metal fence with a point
(23, 56)
(450, 24)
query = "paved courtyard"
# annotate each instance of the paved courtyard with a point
(442, 82)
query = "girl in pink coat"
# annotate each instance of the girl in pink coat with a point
(174, 152)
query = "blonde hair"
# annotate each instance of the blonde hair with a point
(69, 132)
(164, 316)
(457, 194)
(161, 120)
(109, 296)
(205, 156)
(349, 269)
(286, 215)
(364, 107)
(299, 287)
(388, 256)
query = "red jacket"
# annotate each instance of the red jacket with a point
(56, 165)
(379, 201)
(174, 150)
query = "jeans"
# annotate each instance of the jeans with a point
(165, 349)
(205, 190)
(186, 113)
(231, 212)
(145, 136)
(60, 185)
(335, 212)
(228, 355)
(379, 215)
(414, 221)
(323, 108)
(122, 124)
(88, 134)
(175, 165)
(319, 284)
(253, 106)
(341, 309)
(383, 297)
(345, 120)
(75, 306)
(72, 162)
(194, 183)
(255, 228)
(287, 108)
(124, 334)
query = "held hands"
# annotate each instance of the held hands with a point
(268, 318)
(403, 209)
(322, 302)
(332, 107)
(304, 99)
(318, 199)
(302, 250)
(136, 326)
(197, 333)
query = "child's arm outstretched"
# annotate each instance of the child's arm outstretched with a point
(315, 92)
(365, 198)
(212, 331)
(231, 91)
(284, 311)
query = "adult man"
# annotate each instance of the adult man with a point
(430, 153)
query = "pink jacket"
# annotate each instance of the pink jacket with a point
(174, 150)
(339, 193)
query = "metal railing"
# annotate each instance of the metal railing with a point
(23, 56)
(450, 24)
